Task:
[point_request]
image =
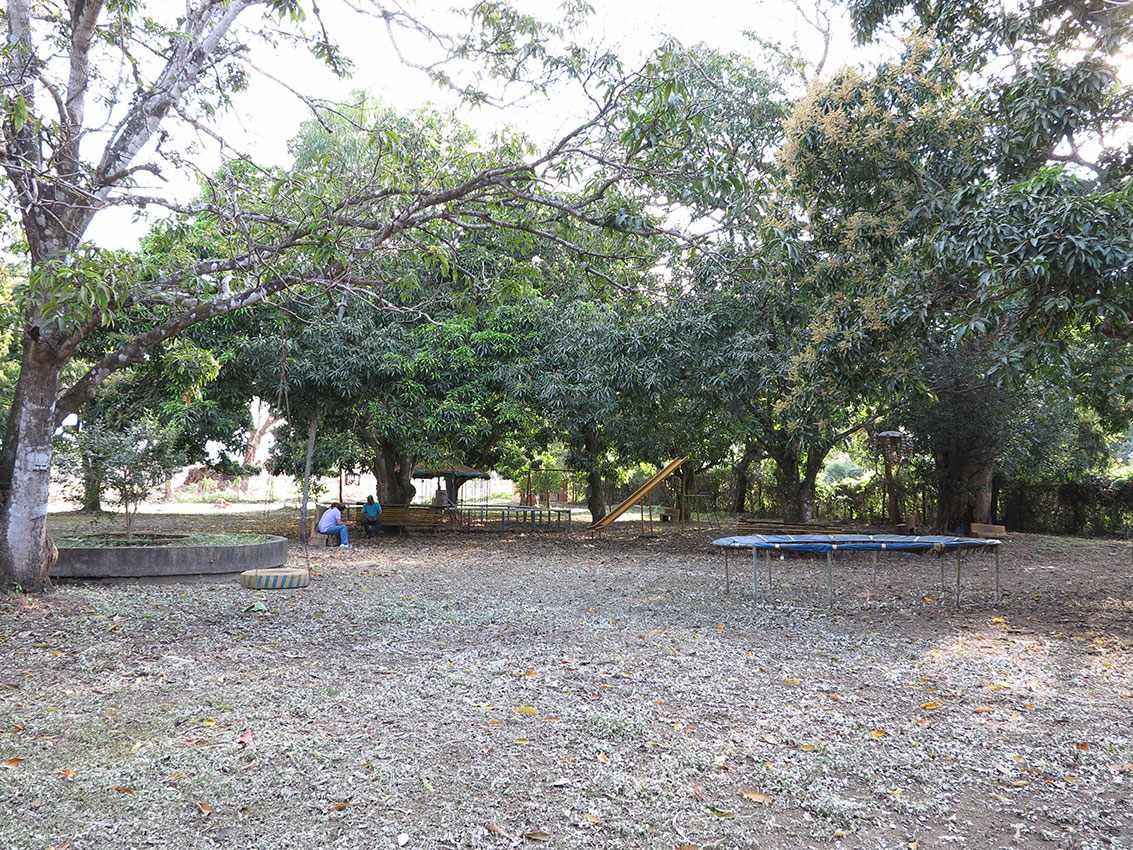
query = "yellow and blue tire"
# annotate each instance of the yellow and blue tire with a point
(279, 578)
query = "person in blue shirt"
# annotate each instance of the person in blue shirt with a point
(331, 523)
(372, 516)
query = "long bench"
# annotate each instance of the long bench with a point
(404, 517)
(415, 517)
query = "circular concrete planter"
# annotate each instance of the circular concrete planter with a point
(168, 560)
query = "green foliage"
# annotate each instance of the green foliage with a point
(130, 459)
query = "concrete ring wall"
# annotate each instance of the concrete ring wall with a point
(141, 561)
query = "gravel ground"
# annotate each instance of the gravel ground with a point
(475, 690)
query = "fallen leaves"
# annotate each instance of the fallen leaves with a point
(792, 681)
(245, 738)
(878, 733)
(932, 705)
(982, 709)
(340, 805)
(122, 789)
(808, 747)
(1082, 745)
(526, 710)
(496, 829)
(755, 796)
(204, 808)
(67, 773)
(603, 758)
(718, 812)
(537, 835)
(14, 761)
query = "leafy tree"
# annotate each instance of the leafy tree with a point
(263, 231)
(955, 174)
(774, 322)
(130, 459)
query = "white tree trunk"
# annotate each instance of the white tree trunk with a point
(25, 472)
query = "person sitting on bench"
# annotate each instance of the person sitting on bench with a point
(331, 523)
(372, 516)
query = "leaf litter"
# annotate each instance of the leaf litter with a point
(387, 698)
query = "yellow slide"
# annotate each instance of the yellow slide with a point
(640, 493)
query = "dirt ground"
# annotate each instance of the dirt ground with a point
(491, 691)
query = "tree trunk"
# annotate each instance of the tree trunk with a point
(963, 490)
(797, 483)
(393, 470)
(256, 438)
(595, 499)
(893, 505)
(308, 463)
(687, 477)
(741, 477)
(252, 447)
(25, 471)
(92, 485)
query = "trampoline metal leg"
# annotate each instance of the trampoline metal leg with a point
(943, 586)
(755, 573)
(727, 575)
(957, 578)
(769, 573)
(873, 577)
(830, 578)
(996, 575)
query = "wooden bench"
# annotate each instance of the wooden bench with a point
(414, 517)
(987, 530)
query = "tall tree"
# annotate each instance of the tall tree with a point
(960, 168)
(79, 129)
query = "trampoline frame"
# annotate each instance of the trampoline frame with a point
(872, 543)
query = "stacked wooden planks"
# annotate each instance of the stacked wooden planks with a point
(987, 530)
(755, 525)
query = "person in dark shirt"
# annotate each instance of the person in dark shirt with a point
(372, 516)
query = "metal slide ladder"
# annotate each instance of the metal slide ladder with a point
(640, 493)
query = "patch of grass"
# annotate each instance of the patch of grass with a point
(198, 538)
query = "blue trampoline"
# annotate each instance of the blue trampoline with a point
(833, 543)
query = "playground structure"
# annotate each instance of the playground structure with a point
(831, 544)
(648, 486)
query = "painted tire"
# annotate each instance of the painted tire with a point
(274, 579)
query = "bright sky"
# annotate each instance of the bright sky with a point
(268, 115)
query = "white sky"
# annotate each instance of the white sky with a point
(267, 115)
